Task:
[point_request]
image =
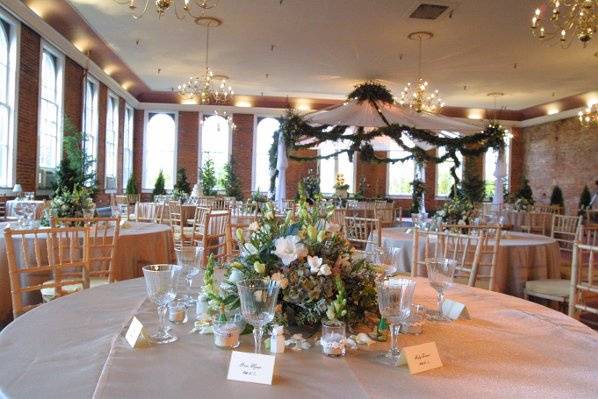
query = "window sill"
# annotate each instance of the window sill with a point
(399, 197)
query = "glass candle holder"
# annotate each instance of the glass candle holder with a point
(177, 312)
(333, 338)
(414, 325)
(227, 333)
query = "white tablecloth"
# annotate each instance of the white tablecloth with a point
(73, 348)
(139, 244)
(521, 257)
(11, 207)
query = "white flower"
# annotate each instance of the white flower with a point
(333, 227)
(254, 226)
(280, 279)
(236, 275)
(289, 249)
(250, 249)
(314, 263)
(325, 271)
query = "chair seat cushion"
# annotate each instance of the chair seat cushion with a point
(555, 287)
(49, 293)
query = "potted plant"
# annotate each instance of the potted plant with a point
(341, 188)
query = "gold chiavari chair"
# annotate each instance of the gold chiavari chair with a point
(363, 232)
(565, 230)
(424, 246)
(103, 238)
(536, 222)
(216, 236)
(386, 213)
(2, 206)
(183, 235)
(552, 209)
(61, 252)
(199, 222)
(217, 203)
(583, 285)
(338, 217)
(592, 217)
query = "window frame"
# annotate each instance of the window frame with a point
(256, 121)
(462, 167)
(508, 148)
(60, 61)
(146, 116)
(116, 125)
(336, 171)
(94, 154)
(14, 54)
(388, 166)
(128, 124)
(203, 116)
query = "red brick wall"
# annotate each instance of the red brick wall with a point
(28, 109)
(374, 173)
(296, 170)
(562, 153)
(242, 150)
(517, 163)
(187, 152)
(73, 92)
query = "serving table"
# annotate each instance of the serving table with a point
(521, 257)
(74, 347)
(139, 244)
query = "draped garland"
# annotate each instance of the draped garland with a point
(299, 134)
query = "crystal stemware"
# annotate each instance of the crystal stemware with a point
(160, 283)
(395, 297)
(391, 259)
(258, 299)
(440, 275)
(189, 258)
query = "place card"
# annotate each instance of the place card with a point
(455, 310)
(251, 367)
(135, 334)
(422, 357)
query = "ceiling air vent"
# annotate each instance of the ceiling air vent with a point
(428, 11)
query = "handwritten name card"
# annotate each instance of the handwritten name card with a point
(251, 367)
(422, 357)
(455, 310)
(135, 335)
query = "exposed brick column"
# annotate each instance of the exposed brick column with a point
(517, 162)
(73, 92)
(374, 173)
(28, 109)
(187, 146)
(101, 161)
(242, 150)
(296, 170)
(121, 145)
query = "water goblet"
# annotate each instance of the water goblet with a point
(189, 258)
(395, 297)
(258, 299)
(160, 283)
(391, 259)
(440, 275)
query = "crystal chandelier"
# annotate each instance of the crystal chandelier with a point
(569, 19)
(589, 116)
(416, 96)
(208, 88)
(181, 8)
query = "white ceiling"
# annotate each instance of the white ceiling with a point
(323, 47)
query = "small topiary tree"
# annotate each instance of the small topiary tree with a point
(585, 199)
(182, 184)
(556, 198)
(131, 187)
(208, 178)
(230, 182)
(526, 192)
(159, 186)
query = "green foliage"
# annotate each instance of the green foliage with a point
(525, 192)
(585, 199)
(371, 91)
(337, 310)
(309, 186)
(131, 187)
(73, 203)
(273, 159)
(417, 194)
(159, 185)
(473, 188)
(76, 168)
(208, 178)
(231, 182)
(361, 189)
(556, 198)
(182, 184)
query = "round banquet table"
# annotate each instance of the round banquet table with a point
(139, 244)
(74, 347)
(521, 257)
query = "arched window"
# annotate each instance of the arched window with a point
(159, 149)
(7, 99)
(331, 167)
(50, 123)
(264, 137)
(215, 143)
(128, 145)
(400, 175)
(111, 141)
(444, 180)
(90, 119)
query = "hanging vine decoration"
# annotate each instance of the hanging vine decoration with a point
(300, 135)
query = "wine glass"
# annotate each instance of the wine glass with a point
(391, 259)
(189, 258)
(160, 282)
(258, 298)
(395, 297)
(440, 275)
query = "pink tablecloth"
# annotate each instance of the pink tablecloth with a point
(74, 348)
(521, 257)
(139, 244)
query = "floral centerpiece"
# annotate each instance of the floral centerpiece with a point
(319, 275)
(341, 186)
(458, 210)
(67, 203)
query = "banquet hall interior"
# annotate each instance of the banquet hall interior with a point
(341, 194)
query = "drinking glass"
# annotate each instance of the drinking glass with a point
(395, 297)
(115, 211)
(189, 258)
(258, 298)
(160, 282)
(391, 259)
(88, 213)
(440, 275)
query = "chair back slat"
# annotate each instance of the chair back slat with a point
(216, 236)
(583, 287)
(362, 231)
(565, 230)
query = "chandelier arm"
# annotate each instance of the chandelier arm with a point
(145, 8)
(176, 12)
(124, 2)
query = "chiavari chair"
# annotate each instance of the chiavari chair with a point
(552, 209)
(583, 285)
(124, 206)
(592, 217)
(61, 252)
(536, 222)
(2, 206)
(216, 236)
(386, 213)
(363, 232)
(565, 230)
(183, 235)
